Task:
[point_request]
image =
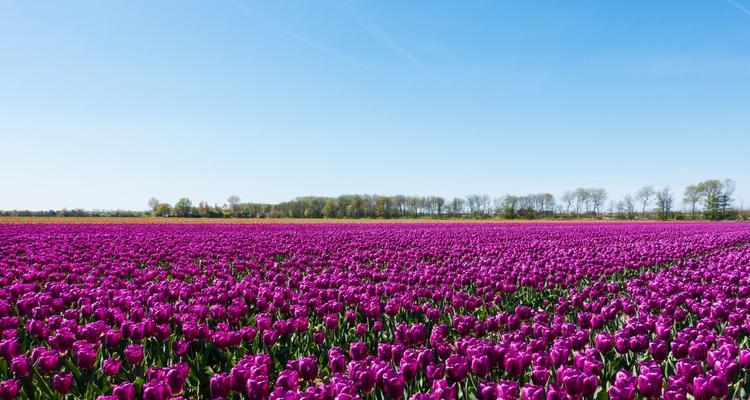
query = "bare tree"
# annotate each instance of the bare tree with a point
(581, 199)
(152, 203)
(628, 205)
(568, 198)
(597, 196)
(664, 202)
(644, 197)
(234, 204)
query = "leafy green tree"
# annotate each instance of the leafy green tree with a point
(162, 210)
(183, 207)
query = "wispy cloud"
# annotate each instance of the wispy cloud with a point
(740, 7)
(326, 49)
(305, 39)
(388, 42)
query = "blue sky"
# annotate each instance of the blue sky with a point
(105, 104)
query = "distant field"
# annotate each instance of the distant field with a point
(146, 220)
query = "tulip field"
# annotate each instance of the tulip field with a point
(485, 311)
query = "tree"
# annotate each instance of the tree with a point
(183, 207)
(693, 195)
(477, 204)
(717, 197)
(383, 207)
(568, 198)
(330, 209)
(581, 198)
(162, 210)
(509, 206)
(664, 203)
(644, 197)
(439, 205)
(456, 207)
(597, 197)
(152, 203)
(234, 204)
(628, 206)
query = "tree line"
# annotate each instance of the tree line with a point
(710, 200)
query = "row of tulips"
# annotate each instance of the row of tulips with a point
(542, 311)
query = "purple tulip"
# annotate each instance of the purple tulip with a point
(124, 391)
(457, 368)
(156, 390)
(9, 389)
(219, 386)
(111, 366)
(393, 384)
(308, 368)
(134, 354)
(650, 380)
(357, 351)
(62, 382)
(532, 392)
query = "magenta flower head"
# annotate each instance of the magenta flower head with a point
(318, 337)
(48, 361)
(708, 386)
(744, 359)
(62, 382)
(658, 350)
(441, 389)
(112, 338)
(590, 383)
(507, 390)
(336, 360)
(9, 389)
(688, 369)
(698, 351)
(604, 342)
(457, 368)
(532, 392)
(257, 387)
(408, 368)
(180, 347)
(308, 368)
(111, 366)
(219, 385)
(393, 384)
(487, 391)
(624, 386)
(514, 364)
(20, 366)
(364, 378)
(331, 321)
(10, 348)
(124, 391)
(176, 377)
(650, 380)
(156, 390)
(540, 375)
(480, 366)
(287, 380)
(358, 351)
(134, 354)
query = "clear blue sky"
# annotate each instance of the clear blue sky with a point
(105, 104)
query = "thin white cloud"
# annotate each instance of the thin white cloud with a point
(326, 49)
(306, 40)
(740, 7)
(387, 41)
